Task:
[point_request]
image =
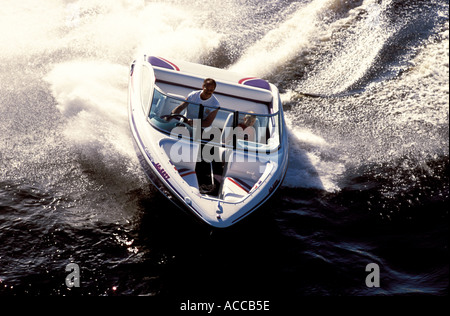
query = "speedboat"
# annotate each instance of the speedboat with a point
(218, 173)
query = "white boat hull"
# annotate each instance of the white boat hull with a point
(236, 199)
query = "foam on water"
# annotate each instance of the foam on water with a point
(359, 53)
(29, 28)
(80, 52)
(104, 30)
(299, 33)
(88, 78)
(91, 91)
(312, 161)
(91, 96)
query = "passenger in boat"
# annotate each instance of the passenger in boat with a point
(204, 97)
(248, 131)
(245, 130)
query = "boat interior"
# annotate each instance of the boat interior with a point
(219, 165)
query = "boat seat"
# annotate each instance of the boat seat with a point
(185, 162)
(244, 167)
(240, 178)
(234, 189)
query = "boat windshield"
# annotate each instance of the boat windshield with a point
(230, 128)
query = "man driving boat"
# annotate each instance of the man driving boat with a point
(204, 97)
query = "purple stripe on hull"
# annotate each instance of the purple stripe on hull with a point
(255, 82)
(161, 62)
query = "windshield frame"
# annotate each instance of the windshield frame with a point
(241, 145)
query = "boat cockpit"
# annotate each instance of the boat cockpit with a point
(208, 158)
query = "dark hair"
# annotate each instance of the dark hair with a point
(208, 81)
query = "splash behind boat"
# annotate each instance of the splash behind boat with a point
(217, 173)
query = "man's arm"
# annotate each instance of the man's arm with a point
(210, 118)
(180, 108)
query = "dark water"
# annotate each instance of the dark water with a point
(365, 90)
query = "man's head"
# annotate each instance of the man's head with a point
(209, 85)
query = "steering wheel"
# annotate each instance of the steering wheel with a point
(181, 118)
